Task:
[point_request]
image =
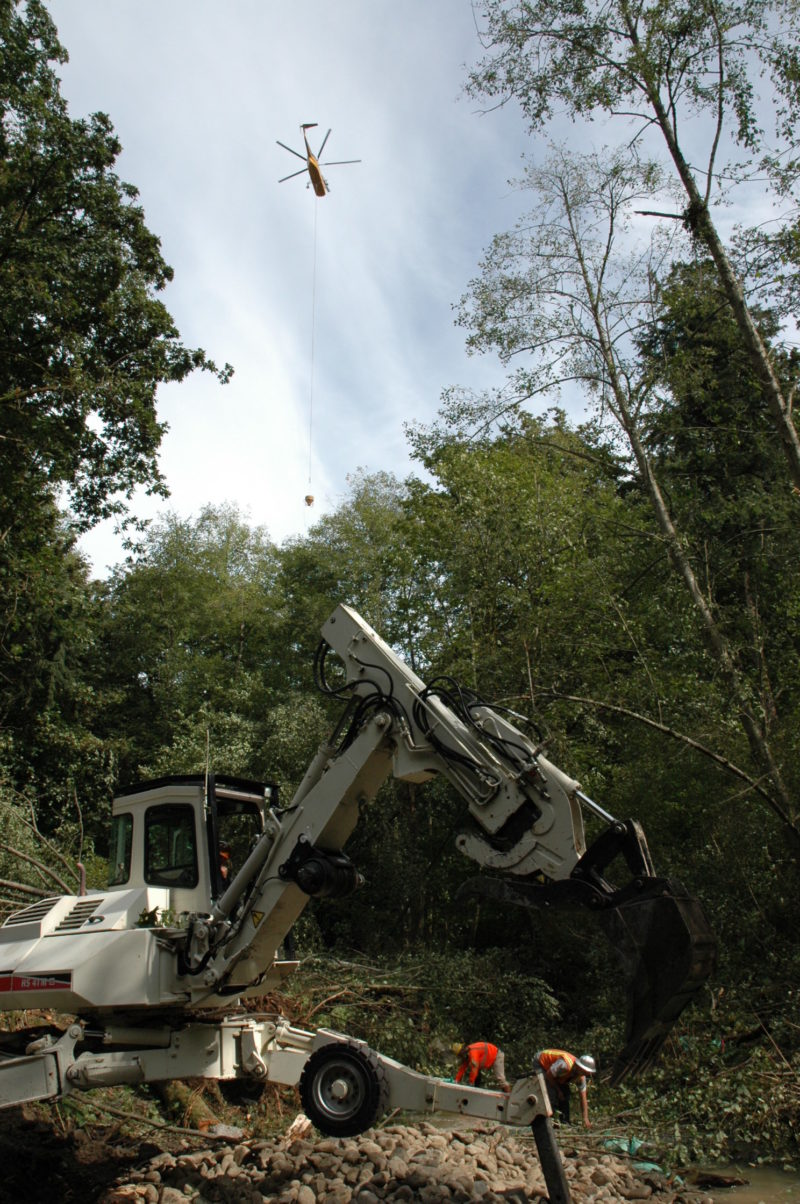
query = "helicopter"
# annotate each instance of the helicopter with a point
(313, 165)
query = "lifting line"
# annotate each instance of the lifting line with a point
(313, 325)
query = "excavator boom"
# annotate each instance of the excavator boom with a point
(528, 823)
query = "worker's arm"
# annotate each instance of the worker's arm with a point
(584, 1103)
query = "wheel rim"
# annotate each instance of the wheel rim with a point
(340, 1088)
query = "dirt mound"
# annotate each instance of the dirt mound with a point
(42, 1165)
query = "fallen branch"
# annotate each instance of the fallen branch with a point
(31, 825)
(777, 1048)
(38, 891)
(704, 750)
(40, 865)
(161, 1124)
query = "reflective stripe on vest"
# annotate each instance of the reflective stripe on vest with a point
(483, 1054)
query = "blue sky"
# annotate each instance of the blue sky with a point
(199, 92)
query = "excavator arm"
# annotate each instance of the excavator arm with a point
(526, 833)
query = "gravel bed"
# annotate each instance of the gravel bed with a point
(398, 1163)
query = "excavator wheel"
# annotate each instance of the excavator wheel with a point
(343, 1089)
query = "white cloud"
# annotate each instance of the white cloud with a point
(199, 92)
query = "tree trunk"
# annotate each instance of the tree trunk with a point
(707, 231)
(759, 745)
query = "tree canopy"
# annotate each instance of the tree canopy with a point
(85, 341)
(681, 74)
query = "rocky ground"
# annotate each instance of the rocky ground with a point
(397, 1163)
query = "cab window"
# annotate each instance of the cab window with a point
(170, 846)
(239, 825)
(119, 854)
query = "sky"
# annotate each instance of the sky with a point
(335, 351)
(336, 313)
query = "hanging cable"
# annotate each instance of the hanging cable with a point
(313, 333)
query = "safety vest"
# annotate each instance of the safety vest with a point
(547, 1060)
(481, 1055)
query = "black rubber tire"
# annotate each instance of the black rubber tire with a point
(343, 1089)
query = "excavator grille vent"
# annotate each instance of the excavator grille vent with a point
(36, 912)
(79, 915)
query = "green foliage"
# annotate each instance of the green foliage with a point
(292, 732)
(85, 340)
(721, 81)
(358, 554)
(157, 917)
(413, 1008)
(184, 637)
(31, 866)
(727, 1089)
(661, 64)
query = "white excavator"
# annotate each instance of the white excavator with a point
(208, 875)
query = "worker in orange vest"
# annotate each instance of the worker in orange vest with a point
(479, 1056)
(560, 1069)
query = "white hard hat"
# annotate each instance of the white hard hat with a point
(586, 1063)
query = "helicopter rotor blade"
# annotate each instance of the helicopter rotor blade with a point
(338, 162)
(322, 147)
(301, 172)
(289, 149)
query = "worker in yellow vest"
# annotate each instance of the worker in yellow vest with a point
(560, 1069)
(479, 1056)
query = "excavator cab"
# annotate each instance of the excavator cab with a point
(187, 834)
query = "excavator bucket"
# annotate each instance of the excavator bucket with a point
(668, 950)
(658, 930)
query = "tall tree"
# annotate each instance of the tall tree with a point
(709, 438)
(84, 338)
(515, 547)
(706, 77)
(85, 341)
(555, 290)
(185, 646)
(355, 555)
